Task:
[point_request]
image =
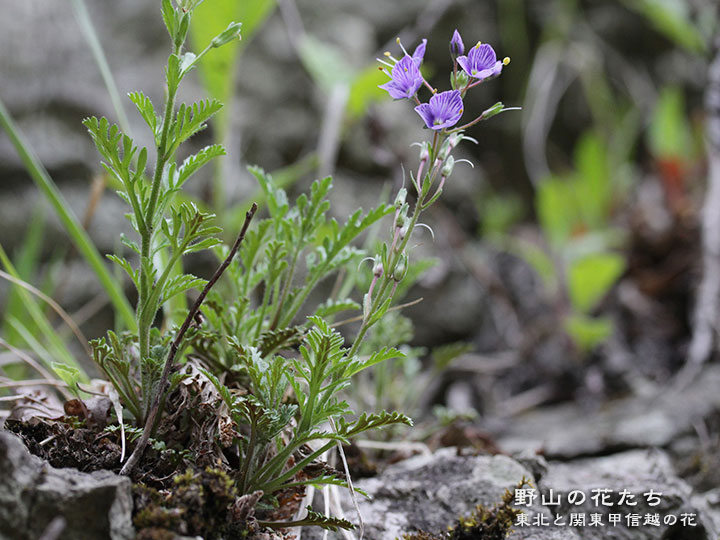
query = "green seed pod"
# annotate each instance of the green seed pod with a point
(401, 269)
(227, 35)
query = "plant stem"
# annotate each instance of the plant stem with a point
(150, 421)
(145, 312)
(396, 252)
(286, 289)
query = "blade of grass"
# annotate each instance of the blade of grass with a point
(55, 306)
(88, 29)
(27, 260)
(78, 235)
(57, 346)
(29, 360)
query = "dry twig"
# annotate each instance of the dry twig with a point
(169, 362)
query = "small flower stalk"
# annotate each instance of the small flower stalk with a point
(441, 114)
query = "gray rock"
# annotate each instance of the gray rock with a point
(638, 472)
(564, 431)
(430, 492)
(96, 506)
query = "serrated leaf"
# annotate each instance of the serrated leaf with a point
(276, 197)
(129, 270)
(273, 340)
(196, 161)
(386, 353)
(191, 119)
(180, 284)
(326, 522)
(146, 110)
(371, 421)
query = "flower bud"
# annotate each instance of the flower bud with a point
(401, 268)
(403, 233)
(425, 152)
(377, 268)
(459, 80)
(457, 47)
(448, 166)
(400, 199)
(227, 35)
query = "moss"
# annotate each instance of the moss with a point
(198, 504)
(482, 524)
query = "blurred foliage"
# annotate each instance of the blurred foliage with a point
(218, 70)
(597, 104)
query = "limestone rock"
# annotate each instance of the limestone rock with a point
(96, 506)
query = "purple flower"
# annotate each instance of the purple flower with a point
(419, 52)
(457, 47)
(443, 111)
(480, 62)
(405, 79)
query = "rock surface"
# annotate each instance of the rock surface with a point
(430, 492)
(94, 506)
(562, 432)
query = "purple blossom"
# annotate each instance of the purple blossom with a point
(419, 52)
(480, 62)
(405, 79)
(443, 111)
(457, 47)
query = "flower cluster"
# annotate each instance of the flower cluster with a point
(443, 110)
(441, 113)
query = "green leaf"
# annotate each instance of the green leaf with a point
(386, 353)
(129, 270)
(555, 206)
(593, 186)
(591, 277)
(364, 90)
(191, 119)
(69, 375)
(670, 136)
(196, 161)
(273, 340)
(180, 284)
(588, 332)
(276, 197)
(147, 111)
(371, 421)
(330, 523)
(170, 18)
